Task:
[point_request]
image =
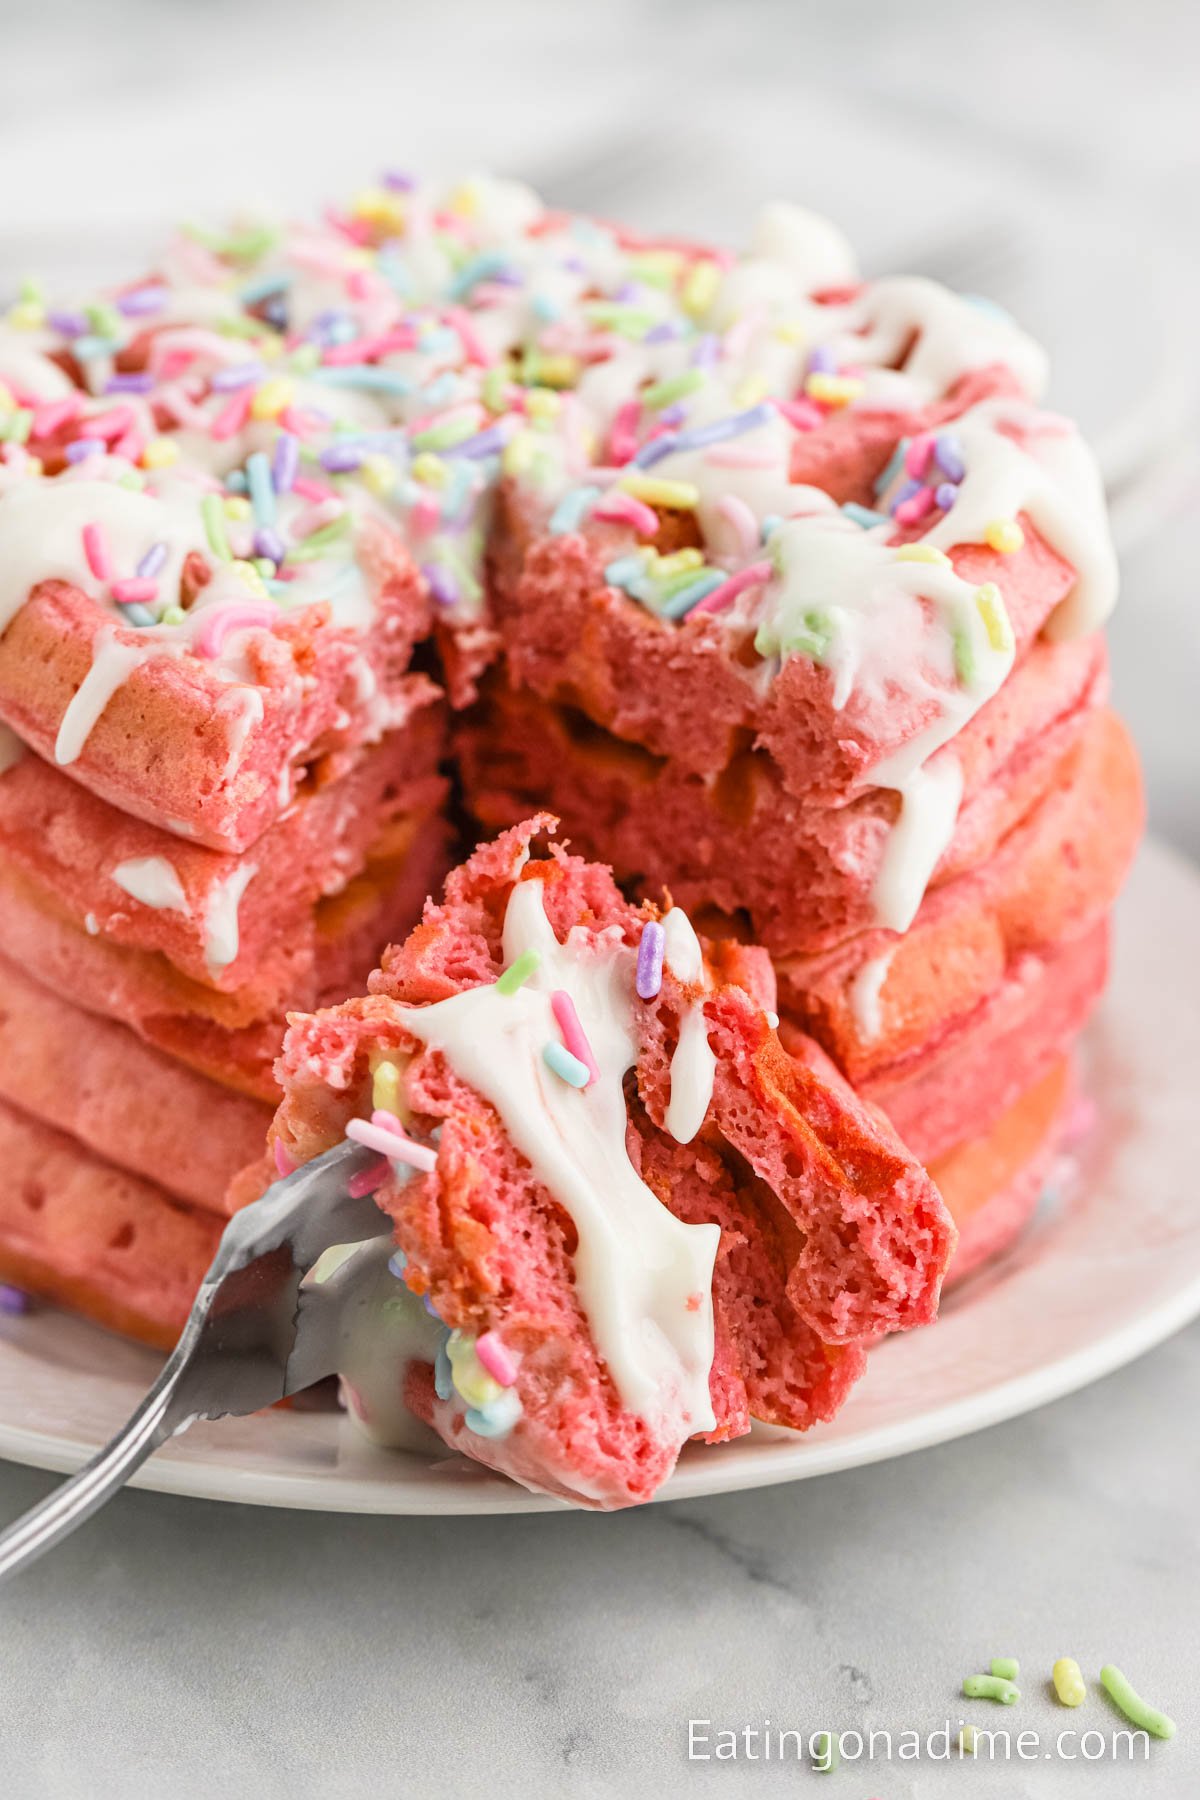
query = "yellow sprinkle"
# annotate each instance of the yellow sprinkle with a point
(470, 1377)
(379, 475)
(519, 454)
(385, 1088)
(33, 465)
(26, 315)
(1004, 536)
(160, 453)
(380, 207)
(678, 561)
(1068, 1682)
(430, 469)
(791, 332)
(557, 371)
(272, 397)
(237, 507)
(7, 402)
(683, 496)
(700, 288)
(750, 390)
(172, 615)
(465, 201)
(250, 576)
(995, 617)
(832, 390)
(922, 553)
(543, 403)
(270, 349)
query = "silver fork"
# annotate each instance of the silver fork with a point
(253, 1336)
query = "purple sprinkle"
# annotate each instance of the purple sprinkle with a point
(81, 448)
(399, 181)
(239, 376)
(650, 960)
(948, 455)
(129, 384)
(441, 584)
(268, 543)
(627, 293)
(484, 443)
(821, 361)
(430, 1308)
(69, 324)
(720, 429)
(945, 494)
(340, 459)
(673, 415)
(707, 351)
(661, 334)
(13, 1300)
(655, 450)
(905, 492)
(152, 562)
(141, 301)
(285, 463)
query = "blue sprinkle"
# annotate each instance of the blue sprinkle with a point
(733, 426)
(568, 514)
(556, 1056)
(86, 348)
(681, 603)
(430, 1308)
(137, 614)
(624, 570)
(498, 1418)
(546, 307)
(770, 525)
(394, 272)
(895, 464)
(235, 481)
(480, 268)
(441, 391)
(265, 288)
(397, 1263)
(261, 487)
(863, 515)
(363, 375)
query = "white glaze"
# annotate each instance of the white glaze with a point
(866, 996)
(221, 918)
(643, 1277)
(693, 1064)
(113, 662)
(153, 881)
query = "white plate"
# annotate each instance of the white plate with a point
(1107, 1270)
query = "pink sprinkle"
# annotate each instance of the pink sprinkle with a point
(232, 416)
(742, 330)
(237, 615)
(499, 1362)
(308, 489)
(134, 590)
(390, 1141)
(368, 1180)
(916, 457)
(95, 548)
(734, 510)
(622, 442)
(49, 418)
(912, 511)
(727, 593)
(283, 1161)
(357, 285)
(130, 446)
(424, 515)
(573, 1034)
(476, 350)
(110, 424)
(627, 509)
(801, 413)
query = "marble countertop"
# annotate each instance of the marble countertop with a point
(189, 1649)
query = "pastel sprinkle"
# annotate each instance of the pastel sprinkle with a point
(833, 390)
(13, 1300)
(153, 561)
(1006, 1668)
(568, 515)
(1068, 1680)
(569, 1068)
(261, 486)
(368, 1180)
(826, 1752)
(518, 972)
(723, 596)
(134, 592)
(497, 1419)
(391, 1141)
(676, 387)
(922, 553)
(990, 1687)
(687, 597)
(650, 960)
(385, 1087)
(95, 550)
(499, 1362)
(913, 509)
(1004, 536)
(397, 1263)
(966, 1740)
(213, 514)
(948, 455)
(622, 507)
(863, 515)
(574, 1036)
(994, 614)
(681, 496)
(1146, 1718)
(218, 621)
(741, 521)
(945, 495)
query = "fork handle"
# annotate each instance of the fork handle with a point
(55, 1517)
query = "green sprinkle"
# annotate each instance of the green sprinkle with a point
(965, 665)
(494, 384)
(826, 1752)
(990, 1687)
(172, 615)
(662, 393)
(304, 359)
(518, 973)
(1006, 1668)
(441, 437)
(317, 543)
(31, 290)
(966, 1740)
(1146, 1718)
(104, 320)
(213, 514)
(628, 321)
(556, 1056)
(16, 428)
